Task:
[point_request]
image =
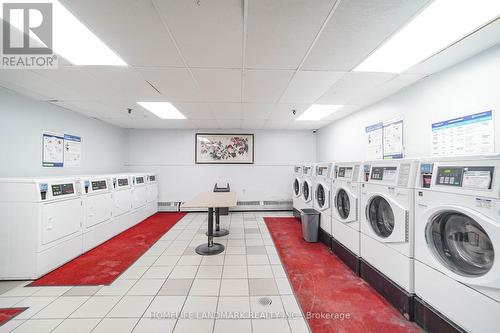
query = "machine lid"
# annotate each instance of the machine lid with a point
(305, 190)
(381, 216)
(460, 243)
(343, 204)
(320, 195)
(296, 187)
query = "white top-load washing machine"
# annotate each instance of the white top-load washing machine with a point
(97, 210)
(297, 189)
(152, 192)
(139, 196)
(122, 203)
(40, 225)
(457, 237)
(321, 194)
(386, 221)
(307, 186)
(346, 191)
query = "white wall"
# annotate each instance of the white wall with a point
(22, 121)
(170, 154)
(467, 88)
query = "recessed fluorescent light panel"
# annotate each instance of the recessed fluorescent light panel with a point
(163, 110)
(441, 24)
(71, 38)
(318, 112)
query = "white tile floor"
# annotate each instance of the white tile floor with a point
(172, 289)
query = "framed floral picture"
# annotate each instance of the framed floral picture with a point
(221, 148)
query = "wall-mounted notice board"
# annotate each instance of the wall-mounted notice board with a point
(384, 140)
(467, 135)
(60, 150)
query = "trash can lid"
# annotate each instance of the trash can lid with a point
(309, 211)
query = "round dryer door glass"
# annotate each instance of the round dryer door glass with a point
(320, 195)
(343, 204)
(461, 244)
(381, 217)
(296, 187)
(305, 190)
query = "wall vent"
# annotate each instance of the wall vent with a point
(164, 206)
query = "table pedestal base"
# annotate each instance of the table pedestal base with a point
(205, 250)
(219, 233)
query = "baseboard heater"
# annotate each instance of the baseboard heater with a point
(241, 206)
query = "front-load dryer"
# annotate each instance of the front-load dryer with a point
(457, 237)
(321, 196)
(297, 190)
(307, 186)
(345, 213)
(386, 230)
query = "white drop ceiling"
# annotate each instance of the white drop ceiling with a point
(235, 64)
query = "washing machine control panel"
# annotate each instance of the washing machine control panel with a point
(476, 177)
(62, 189)
(121, 182)
(344, 172)
(99, 185)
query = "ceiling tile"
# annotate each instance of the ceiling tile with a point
(174, 84)
(78, 81)
(151, 122)
(356, 29)
(206, 123)
(283, 111)
(307, 125)
(34, 85)
(253, 123)
(219, 85)
(352, 85)
(227, 110)
(209, 34)
(257, 110)
(279, 32)
(277, 124)
(124, 81)
(308, 86)
(195, 110)
(265, 86)
(132, 28)
(229, 123)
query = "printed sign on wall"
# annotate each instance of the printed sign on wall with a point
(467, 135)
(53, 150)
(60, 150)
(393, 139)
(374, 143)
(72, 150)
(384, 140)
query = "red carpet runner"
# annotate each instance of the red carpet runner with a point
(336, 299)
(103, 264)
(8, 314)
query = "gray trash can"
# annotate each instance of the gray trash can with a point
(310, 224)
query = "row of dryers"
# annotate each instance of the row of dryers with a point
(423, 232)
(46, 222)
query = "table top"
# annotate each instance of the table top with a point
(212, 200)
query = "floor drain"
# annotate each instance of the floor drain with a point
(265, 301)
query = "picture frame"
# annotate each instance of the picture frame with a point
(224, 148)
